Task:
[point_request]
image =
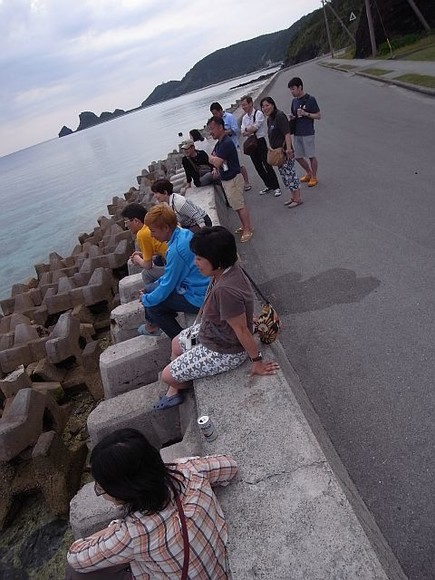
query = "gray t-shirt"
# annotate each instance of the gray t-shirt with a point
(231, 296)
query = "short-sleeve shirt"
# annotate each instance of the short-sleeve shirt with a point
(304, 125)
(277, 127)
(230, 297)
(226, 150)
(149, 246)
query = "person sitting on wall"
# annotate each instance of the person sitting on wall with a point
(148, 541)
(182, 287)
(222, 340)
(150, 253)
(196, 165)
(189, 215)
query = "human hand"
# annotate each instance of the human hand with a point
(264, 368)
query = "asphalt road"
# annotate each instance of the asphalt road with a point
(352, 273)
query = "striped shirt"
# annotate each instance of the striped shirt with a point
(188, 214)
(153, 545)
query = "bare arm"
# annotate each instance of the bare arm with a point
(240, 326)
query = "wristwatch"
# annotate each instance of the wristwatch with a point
(257, 358)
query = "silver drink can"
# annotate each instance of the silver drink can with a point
(207, 427)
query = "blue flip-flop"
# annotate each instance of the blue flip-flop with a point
(142, 330)
(167, 402)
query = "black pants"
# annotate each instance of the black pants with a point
(120, 572)
(264, 170)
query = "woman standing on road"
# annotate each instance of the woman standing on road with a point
(279, 136)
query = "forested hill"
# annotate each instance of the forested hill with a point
(235, 60)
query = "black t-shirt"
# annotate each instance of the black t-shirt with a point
(277, 127)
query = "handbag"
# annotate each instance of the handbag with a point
(251, 143)
(276, 157)
(268, 323)
(185, 538)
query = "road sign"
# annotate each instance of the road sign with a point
(352, 17)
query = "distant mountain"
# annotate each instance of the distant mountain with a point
(235, 60)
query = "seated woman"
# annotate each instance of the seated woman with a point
(222, 340)
(201, 143)
(148, 541)
(189, 215)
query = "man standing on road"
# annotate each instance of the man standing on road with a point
(232, 130)
(253, 124)
(226, 161)
(304, 110)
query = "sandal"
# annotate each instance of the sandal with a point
(167, 402)
(143, 330)
(240, 230)
(246, 237)
(293, 203)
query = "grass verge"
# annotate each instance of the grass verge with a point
(421, 80)
(377, 72)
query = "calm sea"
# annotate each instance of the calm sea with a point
(51, 192)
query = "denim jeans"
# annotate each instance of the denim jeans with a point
(164, 315)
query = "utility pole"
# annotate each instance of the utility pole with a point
(345, 28)
(419, 15)
(327, 30)
(371, 28)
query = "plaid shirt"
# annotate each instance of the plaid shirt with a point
(153, 545)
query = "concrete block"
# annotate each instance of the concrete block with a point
(54, 388)
(14, 357)
(130, 287)
(23, 424)
(90, 513)
(15, 381)
(204, 197)
(125, 320)
(133, 363)
(99, 287)
(64, 340)
(134, 409)
(120, 255)
(46, 371)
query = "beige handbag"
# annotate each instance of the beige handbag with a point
(276, 157)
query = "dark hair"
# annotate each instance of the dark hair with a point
(131, 470)
(246, 98)
(295, 82)
(162, 186)
(271, 102)
(196, 135)
(216, 244)
(215, 107)
(134, 210)
(216, 121)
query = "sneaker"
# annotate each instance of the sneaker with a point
(305, 179)
(248, 187)
(277, 192)
(265, 190)
(313, 182)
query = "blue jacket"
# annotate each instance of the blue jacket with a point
(180, 275)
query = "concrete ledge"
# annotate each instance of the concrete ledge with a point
(125, 320)
(286, 491)
(129, 288)
(133, 363)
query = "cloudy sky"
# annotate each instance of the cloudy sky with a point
(61, 57)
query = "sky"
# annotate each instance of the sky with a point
(61, 57)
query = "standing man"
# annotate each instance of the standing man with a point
(304, 110)
(233, 131)
(182, 287)
(226, 161)
(253, 123)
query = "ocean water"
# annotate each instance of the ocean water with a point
(53, 191)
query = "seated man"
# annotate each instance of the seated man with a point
(189, 215)
(181, 288)
(150, 253)
(196, 165)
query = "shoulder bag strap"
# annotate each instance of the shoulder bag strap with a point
(185, 538)
(254, 285)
